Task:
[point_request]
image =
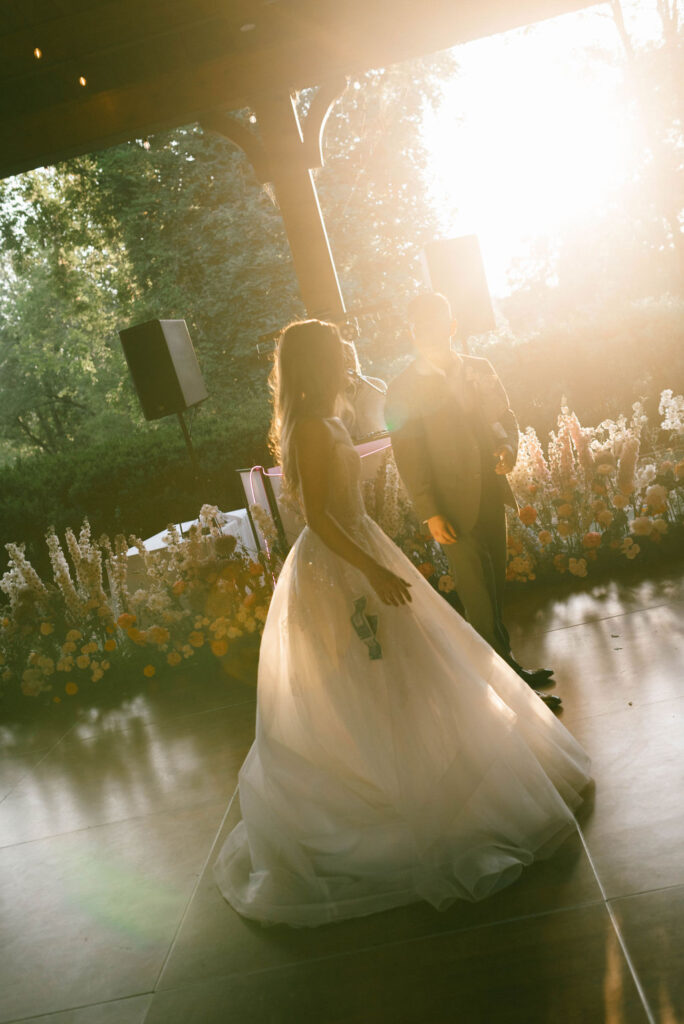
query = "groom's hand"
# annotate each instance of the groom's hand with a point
(441, 529)
(504, 453)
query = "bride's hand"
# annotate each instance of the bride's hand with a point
(390, 589)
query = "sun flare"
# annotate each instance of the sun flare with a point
(530, 137)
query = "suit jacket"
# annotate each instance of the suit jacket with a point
(435, 436)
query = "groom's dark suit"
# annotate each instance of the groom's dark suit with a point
(445, 428)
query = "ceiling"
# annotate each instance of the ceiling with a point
(152, 64)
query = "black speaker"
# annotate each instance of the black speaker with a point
(454, 268)
(164, 367)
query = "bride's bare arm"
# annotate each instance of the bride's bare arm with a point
(314, 447)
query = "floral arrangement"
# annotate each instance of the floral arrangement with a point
(593, 500)
(202, 594)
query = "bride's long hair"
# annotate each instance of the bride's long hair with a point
(306, 380)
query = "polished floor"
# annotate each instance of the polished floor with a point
(110, 819)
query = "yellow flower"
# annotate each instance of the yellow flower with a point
(545, 537)
(110, 645)
(578, 566)
(174, 658)
(46, 628)
(219, 647)
(660, 525)
(68, 647)
(619, 501)
(605, 518)
(73, 636)
(125, 620)
(149, 671)
(105, 666)
(83, 661)
(564, 529)
(196, 638)
(565, 511)
(641, 526)
(71, 689)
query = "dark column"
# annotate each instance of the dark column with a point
(283, 152)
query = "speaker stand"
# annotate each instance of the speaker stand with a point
(188, 443)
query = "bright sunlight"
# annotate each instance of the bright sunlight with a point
(531, 136)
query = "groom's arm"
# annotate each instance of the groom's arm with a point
(504, 426)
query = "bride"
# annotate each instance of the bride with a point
(397, 757)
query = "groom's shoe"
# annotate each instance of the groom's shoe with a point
(541, 677)
(536, 678)
(552, 700)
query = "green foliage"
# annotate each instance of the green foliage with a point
(131, 484)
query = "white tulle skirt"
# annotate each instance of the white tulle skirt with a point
(397, 758)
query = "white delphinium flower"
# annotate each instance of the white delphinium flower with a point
(644, 476)
(671, 408)
(62, 577)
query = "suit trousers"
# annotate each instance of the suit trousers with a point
(477, 562)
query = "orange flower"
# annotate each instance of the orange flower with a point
(564, 529)
(545, 537)
(528, 515)
(249, 600)
(219, 648)
(427, 569)
(565, 511)
(109, 645)
(196, 638)
(174, 658)
(591, 539)
(126, 620)
(158, 635)
(149, 671)
(46, 628)
(560, 562)
(178, 587)
(71, 689)
(255, 569)
(136, 636)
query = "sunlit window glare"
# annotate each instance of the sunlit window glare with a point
(531, 136)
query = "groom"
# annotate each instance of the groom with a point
(454, 439)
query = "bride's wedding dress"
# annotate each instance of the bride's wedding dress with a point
(397, 756)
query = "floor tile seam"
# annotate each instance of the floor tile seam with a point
(645, 892)
(195, 889)
(81, 1006)
(160, 721)
(618, 932)
(343, 954)
(107, 824)
(46, 753)
(603, 618)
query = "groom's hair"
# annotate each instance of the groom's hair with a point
(425, 302)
